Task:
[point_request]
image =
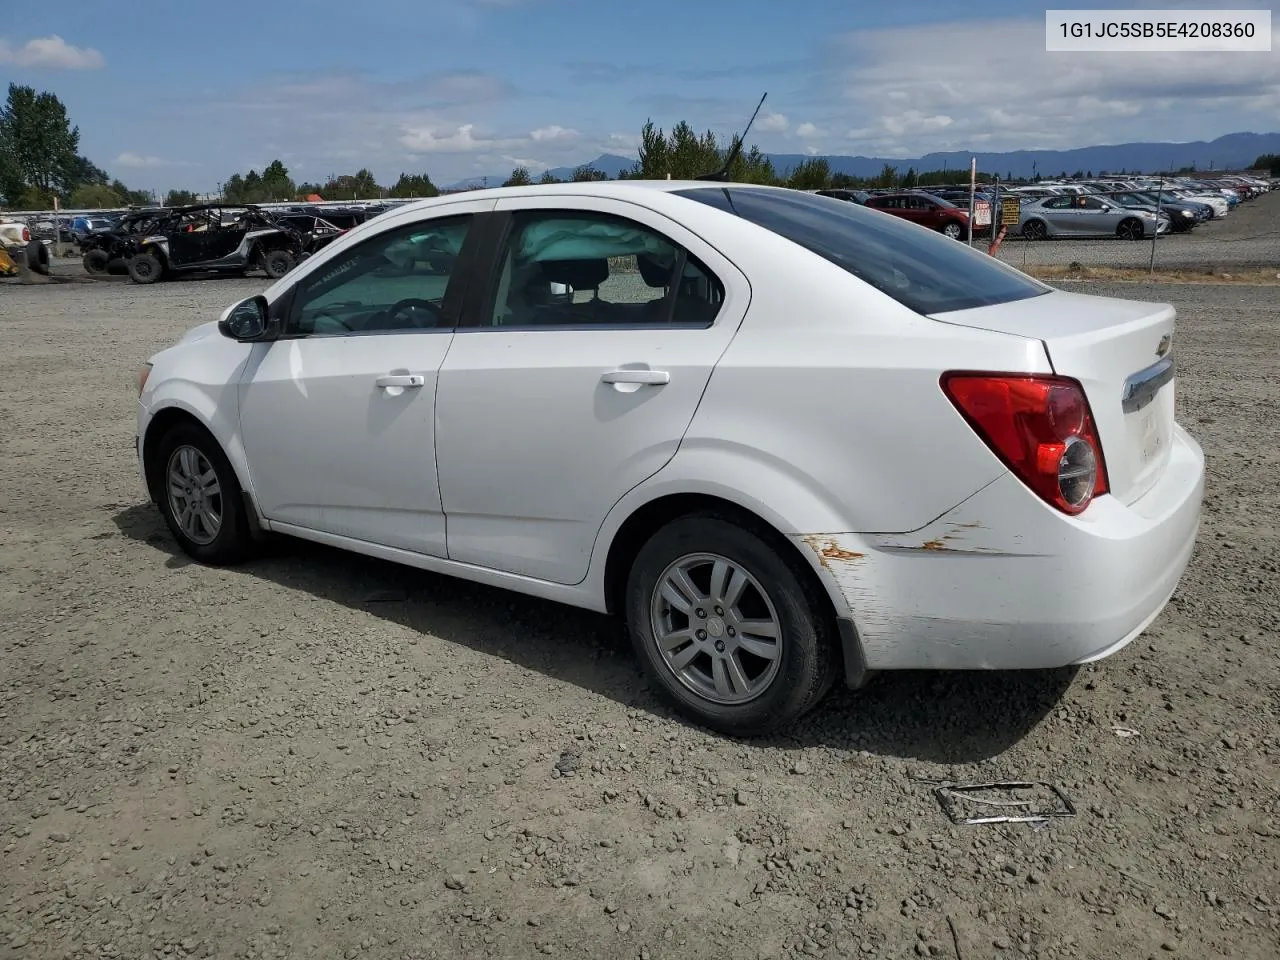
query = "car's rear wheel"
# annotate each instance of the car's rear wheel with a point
(97, 263)
(199, 496)
(1035, 230)
(953, 230)
(1130, 229)
(145, 268)
(727, 627)
(276, 263)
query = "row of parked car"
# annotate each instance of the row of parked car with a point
(1131, 209)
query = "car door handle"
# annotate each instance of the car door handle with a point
(654, 378)
(407, 380)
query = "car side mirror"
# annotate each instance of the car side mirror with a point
(247, 321)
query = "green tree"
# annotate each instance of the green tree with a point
(548, 177)
(753, 167)
(519, 178)
(1269, 162)
(132, 198)
(93, 196)
(888, 176)
(180, 198)
(811, 174)
(275, 184)
(414, 185)
(39, 145)
(586, 173)
(360, 185)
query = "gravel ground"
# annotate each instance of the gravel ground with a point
(1249, 236)
(319, 755)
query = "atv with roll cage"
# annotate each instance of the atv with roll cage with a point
(216, 238)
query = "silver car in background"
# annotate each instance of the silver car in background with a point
(1086, 216)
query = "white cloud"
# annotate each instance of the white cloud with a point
(460, 140)
(137, 160)
(808, 131)
(555, 132)
(772, 123)
(1017, 96)
(52, 53)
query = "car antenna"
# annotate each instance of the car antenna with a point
(735, 148)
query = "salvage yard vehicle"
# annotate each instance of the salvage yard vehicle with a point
(1069, 215)
(17, 245)
(216, 238)
(790, 440)
(926, 210)
(107, 252)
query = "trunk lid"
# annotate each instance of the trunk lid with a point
(1121, 352)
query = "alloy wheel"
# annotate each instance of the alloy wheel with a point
(195, 495)
(716, 628)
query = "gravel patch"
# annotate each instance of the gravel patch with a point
(320, 755)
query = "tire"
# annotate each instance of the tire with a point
(1130, 229)
(1035, 230)
(97, 263)
(954, 230)
(185, 454)
(276, 263)
(804, 660)
(38, 257)
(145, 268)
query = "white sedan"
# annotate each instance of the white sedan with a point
(793, 441)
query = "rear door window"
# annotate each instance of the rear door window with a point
(923, 270)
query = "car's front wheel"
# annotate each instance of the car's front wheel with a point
(1130, 229)
(96, 262)
(276, 263)
(727, 627)
(199, 495)
(145, 268)
(953, 230)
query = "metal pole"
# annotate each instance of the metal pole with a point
(995, 206)
(973, 185)
(1151, 268)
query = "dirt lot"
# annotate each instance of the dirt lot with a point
(318, 755)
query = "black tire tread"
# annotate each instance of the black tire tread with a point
(234, 542)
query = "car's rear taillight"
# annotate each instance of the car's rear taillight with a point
(26, 235)
(1041, 427)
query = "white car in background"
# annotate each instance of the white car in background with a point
(792, 440)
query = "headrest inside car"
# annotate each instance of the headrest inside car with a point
(579, 274)
(652, 271)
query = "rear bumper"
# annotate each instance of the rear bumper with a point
(1004, 581)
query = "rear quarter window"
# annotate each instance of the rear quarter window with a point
(920, 268)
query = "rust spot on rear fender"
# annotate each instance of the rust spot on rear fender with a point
(934, 545)
(827, 550)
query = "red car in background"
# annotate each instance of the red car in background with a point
(926, 210)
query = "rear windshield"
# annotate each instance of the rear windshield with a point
(921, 269)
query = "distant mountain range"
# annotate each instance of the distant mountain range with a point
(1234, 151)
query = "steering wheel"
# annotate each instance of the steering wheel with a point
(413, 312)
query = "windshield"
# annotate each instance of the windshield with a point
(921, 269)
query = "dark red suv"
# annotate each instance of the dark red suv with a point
(926, 210)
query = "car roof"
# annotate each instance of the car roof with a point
(624, 189)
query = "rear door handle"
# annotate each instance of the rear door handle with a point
(654, 378)
(406, 380)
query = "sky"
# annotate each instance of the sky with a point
(185, 94)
